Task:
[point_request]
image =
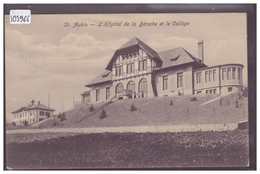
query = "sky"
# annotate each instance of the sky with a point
(46, 58)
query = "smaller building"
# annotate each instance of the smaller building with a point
(32, 113)
(85, 97)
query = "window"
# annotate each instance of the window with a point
(228, 73)
(121, 70)
(210, 91)
(128, 68)
(198, 77)
(97, 94)
(230, 89)
(179, 80)
(199, 92)
(140, 65)
(144, 64)
(119, 88)
(214, 75)
(165, 82)
(47, 114)
(233, 73)
(223, 73)
(210, 74)
(214, 91)
(207, 91)
(131, 86)
(107, 93)
(238, 73)
(117, 71)
(41, 113)
(206, 76)
(132, 67)
(142, 85)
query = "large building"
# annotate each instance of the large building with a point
(136, 70)
(32, 113)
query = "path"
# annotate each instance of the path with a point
(136, 129)
(214, 99)
(40, 122)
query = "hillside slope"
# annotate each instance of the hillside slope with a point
(158, 111)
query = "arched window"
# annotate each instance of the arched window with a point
(131, 86)
(119, 88)
(142, 85)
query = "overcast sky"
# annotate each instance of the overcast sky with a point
(45, 57)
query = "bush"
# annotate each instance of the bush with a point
(25, 122)
(133, 108)
(55, 123)
(227, 102)
(237, 103)
(193, 99)
(62, 117)
(245, 92)
(220, 102)
(13, 123)
(103, 114)
(91, 108)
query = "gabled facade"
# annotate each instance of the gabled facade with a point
(32, 113)
(136, 70)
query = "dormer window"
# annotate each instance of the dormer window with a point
(174, 59)
(105, 75)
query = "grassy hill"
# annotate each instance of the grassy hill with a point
(159, 111)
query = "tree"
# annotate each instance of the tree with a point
(91, 108)
(62, 117)
(25, 123)
(133, 108)
(103, 114)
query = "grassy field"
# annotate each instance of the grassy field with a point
(155, 111)
(158, 111)
(127, 150)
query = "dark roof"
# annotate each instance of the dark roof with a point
(104, 77)
(177, 56)
(131, 43)
(33, 106)
(86, 93)
(136, 41)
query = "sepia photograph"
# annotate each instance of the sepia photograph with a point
(126, 90)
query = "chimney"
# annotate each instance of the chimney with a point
(200, 49)
(32, 102)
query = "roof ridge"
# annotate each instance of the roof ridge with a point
(171, 49)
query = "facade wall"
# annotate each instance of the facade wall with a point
(227, 79)
(209, 81)
(172, 86)
(136, 80)
(102, 87)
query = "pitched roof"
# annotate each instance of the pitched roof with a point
(86, 93)
(104, 77)
(177, 56)
(134, 42)
(173, 57)
(33, 106)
